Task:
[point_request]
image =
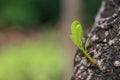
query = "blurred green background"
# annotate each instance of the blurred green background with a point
(34, 38)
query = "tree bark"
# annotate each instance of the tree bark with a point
(104, 46)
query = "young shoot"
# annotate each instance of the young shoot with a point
(76, 37)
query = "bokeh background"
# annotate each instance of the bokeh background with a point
(34, 37)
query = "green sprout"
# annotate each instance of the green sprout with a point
(76, 37)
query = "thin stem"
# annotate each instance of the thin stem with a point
(88, 56)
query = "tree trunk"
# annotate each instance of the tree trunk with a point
(104, 46)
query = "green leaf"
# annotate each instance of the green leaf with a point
(76, 35)
(87, 43)
(75, 40)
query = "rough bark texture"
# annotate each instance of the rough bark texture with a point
(104, 46)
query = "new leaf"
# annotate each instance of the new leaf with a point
(76, 35)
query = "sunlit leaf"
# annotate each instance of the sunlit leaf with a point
(75, 40)
(76, 35)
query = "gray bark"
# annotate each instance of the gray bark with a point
(104, 46)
